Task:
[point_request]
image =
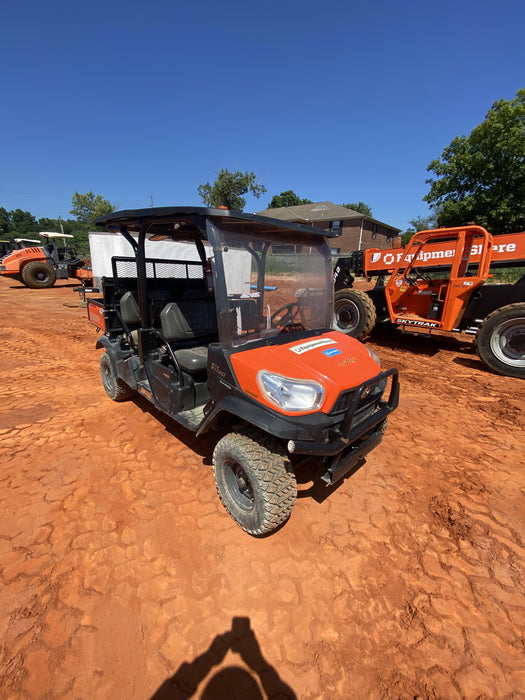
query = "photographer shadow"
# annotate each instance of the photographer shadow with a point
(233, 682)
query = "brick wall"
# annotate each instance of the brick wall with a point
(373, 236)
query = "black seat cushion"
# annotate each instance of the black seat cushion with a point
(193, 359)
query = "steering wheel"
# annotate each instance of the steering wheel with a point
(293, 309)
(416, 274)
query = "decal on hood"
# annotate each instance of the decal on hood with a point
(331, 352)
(311, 345)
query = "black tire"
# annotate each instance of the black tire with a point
(254, 480)
(38, 275)
(115, 388)
(354, 313)
(501, 340)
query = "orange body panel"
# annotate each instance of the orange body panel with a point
(505, 248)
(335, 360)
(94, 311)
(84, 274)
(15, 262)
(410, 302)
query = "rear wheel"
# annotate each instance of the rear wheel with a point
(354, 313)
(501, 340)
(255, 480)
(38, 275)
(116, 389)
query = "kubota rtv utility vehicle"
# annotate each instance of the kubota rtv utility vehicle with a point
(439, 282)
(39, 266)
(232, 332)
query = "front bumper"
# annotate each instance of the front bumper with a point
(358, 437)
(352, 430)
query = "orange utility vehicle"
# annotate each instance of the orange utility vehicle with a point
(232, 332)
(39, 266)
(439, 282)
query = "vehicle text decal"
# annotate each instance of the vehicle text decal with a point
(331, 352)
(311, 345)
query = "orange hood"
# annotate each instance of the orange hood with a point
(336, 361)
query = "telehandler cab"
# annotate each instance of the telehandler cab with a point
(232, 332)
(439, 282)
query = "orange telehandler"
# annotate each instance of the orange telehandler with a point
(439, 282)
(39, 266)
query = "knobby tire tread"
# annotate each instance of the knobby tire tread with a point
(274, 474)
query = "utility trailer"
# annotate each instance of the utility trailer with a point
(439, 282)
(217, 341)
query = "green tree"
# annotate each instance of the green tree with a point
(287, 199)
(361, 207)
(420, 223)
(5, 222)
(228, 188)
(481, 177)
(45, 224)
(87, 208)
(22, 223)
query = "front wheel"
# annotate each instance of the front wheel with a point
(38, 275)
(354, 313)
(254, 480)
(501, 340)
(116, 389)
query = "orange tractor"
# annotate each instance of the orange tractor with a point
(439, 282)
(39, 266)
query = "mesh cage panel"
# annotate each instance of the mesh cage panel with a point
(159, 269)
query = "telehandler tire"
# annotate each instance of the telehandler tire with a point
(38, 275)
(116, 389)
(254, 480)
(354, 313)
(501, 340)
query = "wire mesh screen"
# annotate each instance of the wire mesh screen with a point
(158, 269)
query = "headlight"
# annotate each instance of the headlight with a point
(290, 394)
(373, 355)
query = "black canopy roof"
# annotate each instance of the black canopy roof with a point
(134, 219)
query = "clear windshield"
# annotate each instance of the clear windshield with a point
(275, 282)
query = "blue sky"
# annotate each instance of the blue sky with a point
(337, 101)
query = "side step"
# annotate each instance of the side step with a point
(190, 419)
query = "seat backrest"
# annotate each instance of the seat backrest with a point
(189, 319)
(129, 308)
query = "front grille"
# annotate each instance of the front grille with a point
(371, 396)
(343, 402)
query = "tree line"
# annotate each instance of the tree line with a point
(85, 208)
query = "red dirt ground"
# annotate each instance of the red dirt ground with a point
(122, 577)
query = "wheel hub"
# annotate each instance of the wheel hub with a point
(346, 316)
(508, 342)
(239, 486)
(243, 484)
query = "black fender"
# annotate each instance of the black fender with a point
(113, 351)
(307, 427)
